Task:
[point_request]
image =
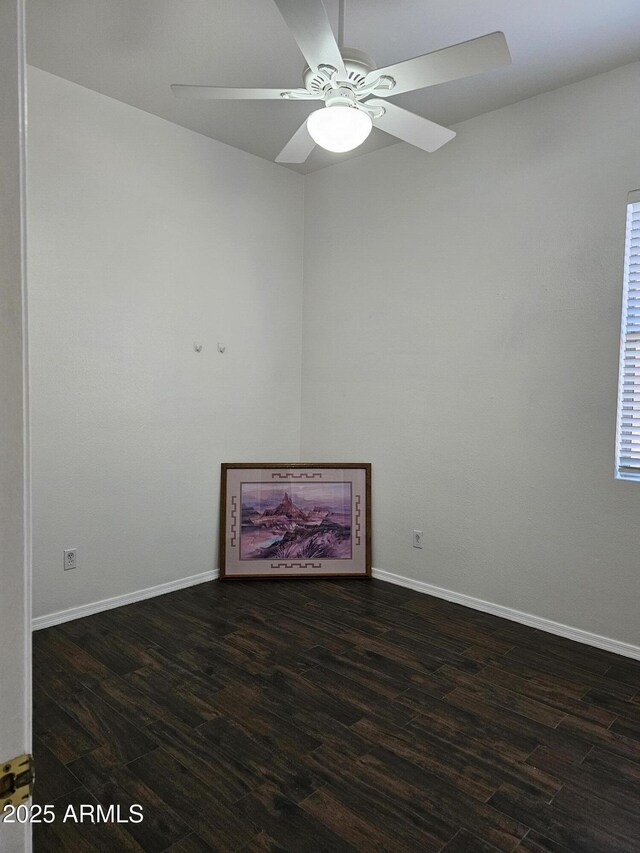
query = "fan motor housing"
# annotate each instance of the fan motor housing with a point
(358, 65)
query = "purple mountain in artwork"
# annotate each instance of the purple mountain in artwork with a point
(287, 508)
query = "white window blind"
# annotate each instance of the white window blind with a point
(628, 431)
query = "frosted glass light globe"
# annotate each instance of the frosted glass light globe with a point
(339, 128)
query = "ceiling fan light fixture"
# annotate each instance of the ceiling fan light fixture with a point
(339, 128)
(354, 90)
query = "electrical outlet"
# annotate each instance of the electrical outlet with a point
(70, 559)
(418, 536)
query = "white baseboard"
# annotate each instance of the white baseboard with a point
(577, 634)
(119, 600)
(548, 625)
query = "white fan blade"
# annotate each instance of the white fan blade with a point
(309, 23)
(222, 94)
(298, 147)
(451, 63)
(410, 127)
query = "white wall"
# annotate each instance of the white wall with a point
(461, 330)
(146, 237)
(461, 321)
(15, 669)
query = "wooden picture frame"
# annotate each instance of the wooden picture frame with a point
(295, 519)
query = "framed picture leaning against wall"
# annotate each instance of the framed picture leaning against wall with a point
(280, 520)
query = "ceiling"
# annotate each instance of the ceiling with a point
(132, 50)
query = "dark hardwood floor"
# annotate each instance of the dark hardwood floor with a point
(332, 716)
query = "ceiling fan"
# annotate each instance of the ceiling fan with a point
(354, 91)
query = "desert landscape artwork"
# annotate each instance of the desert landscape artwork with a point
(296, 521)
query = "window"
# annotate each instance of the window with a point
(628, 430)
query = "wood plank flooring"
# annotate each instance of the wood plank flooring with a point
(332, 716)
